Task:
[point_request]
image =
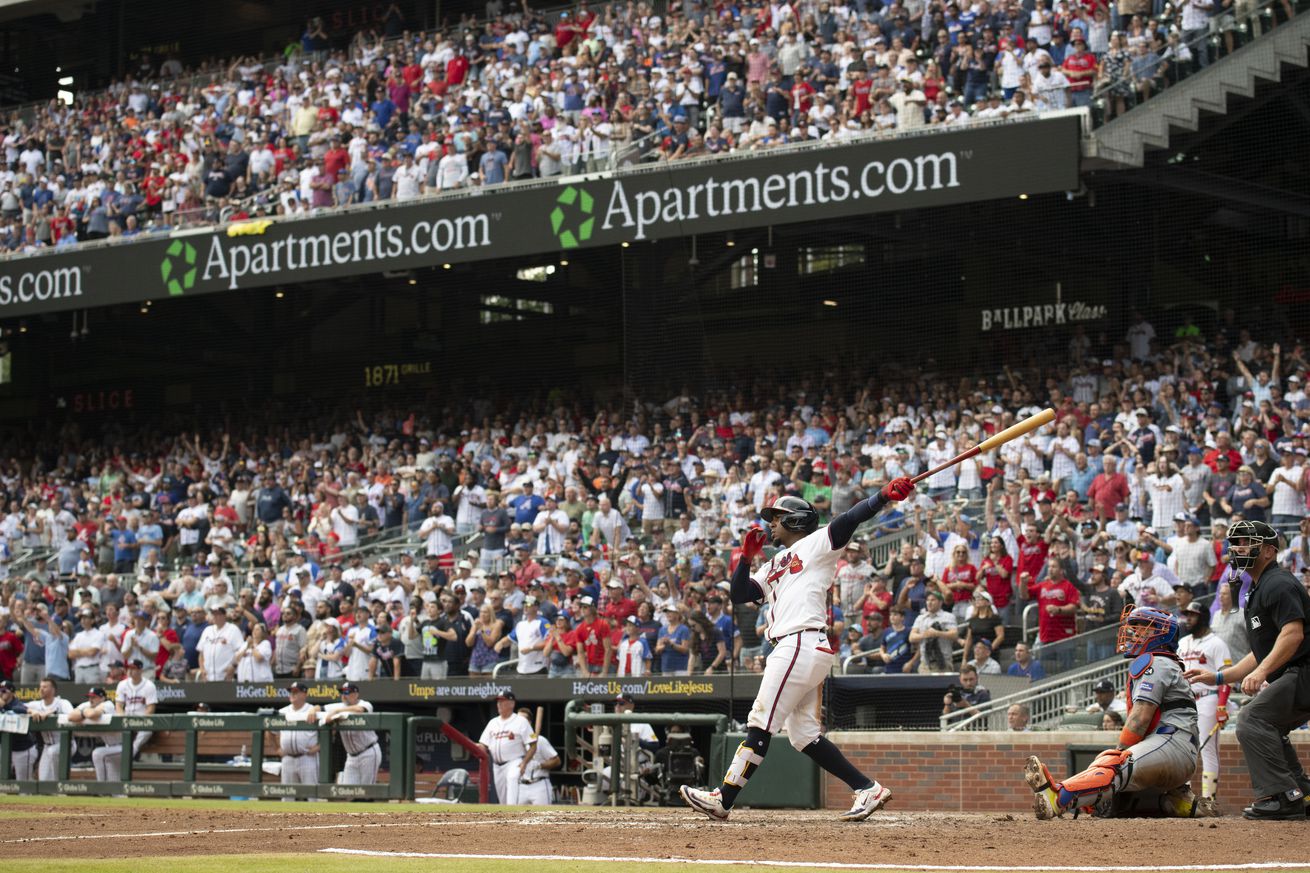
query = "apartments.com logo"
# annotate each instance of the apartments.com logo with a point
(571, 221)
(40, 285)
(178, 268)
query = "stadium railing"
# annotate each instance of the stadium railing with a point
(1245, 28)
(1048, 701)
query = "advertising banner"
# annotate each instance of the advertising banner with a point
(647, 203)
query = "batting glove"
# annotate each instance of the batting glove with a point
(898, 488)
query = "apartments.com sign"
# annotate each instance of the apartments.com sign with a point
(668, 201)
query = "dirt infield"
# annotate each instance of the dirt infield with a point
(35, 829)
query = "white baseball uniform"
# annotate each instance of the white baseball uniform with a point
(1210, 652)
(536, 790)
(299, 765)
(48, 769)
(507, 739)
(363, 754)
(108, 759)
(795, 585)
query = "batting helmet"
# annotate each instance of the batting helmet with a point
(1202, 613)
(796, 514)
(1245, 539)
(1146, 629)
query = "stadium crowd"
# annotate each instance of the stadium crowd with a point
(598, 540)
(399, 114)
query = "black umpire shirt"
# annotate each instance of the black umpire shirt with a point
(1276, 599)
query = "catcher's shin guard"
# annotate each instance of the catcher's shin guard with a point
(1108, 774)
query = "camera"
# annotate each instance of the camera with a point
(956, 692)
(937, 626)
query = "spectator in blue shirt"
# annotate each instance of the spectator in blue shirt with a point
(1024, 665)
(674, 645)
(896, 652)
(191, 632)
(526, 505)
(124, 543)
(492, 165)
(149, 539)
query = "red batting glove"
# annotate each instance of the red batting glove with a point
(753, 543)
(898, 488)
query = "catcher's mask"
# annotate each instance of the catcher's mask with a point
(1245, 539)
(1146, 629)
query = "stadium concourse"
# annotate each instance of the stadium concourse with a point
(602, 513)
(397, 114)
(622, 839)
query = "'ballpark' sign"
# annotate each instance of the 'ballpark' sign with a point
(650, 202)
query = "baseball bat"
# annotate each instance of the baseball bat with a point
(1014, 431)
(541, 712)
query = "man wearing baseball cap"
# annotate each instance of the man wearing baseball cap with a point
(23, 746)
(511, 742)
(298, 748)
(363, 754)
(135, 695)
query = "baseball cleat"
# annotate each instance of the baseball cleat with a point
(708, 802)
(867, 802)
(1046, 800)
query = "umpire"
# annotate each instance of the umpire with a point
(1277, 612)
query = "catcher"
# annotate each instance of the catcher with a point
(1147, 773)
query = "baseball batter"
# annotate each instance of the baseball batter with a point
(1206, 650)
(1157, 746)
(363, 754)
(50, 704)
(298, 748)
(511, 742)
(795, 586)
(534, 787)
(135, 695)
(23, 751)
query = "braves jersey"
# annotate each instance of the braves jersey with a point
(631, 656)
(1209, 652)
(1158, 679)
(508, 738)
(135, 698)
(296, 742)
(355, 741)
(795, 584)
(58, 708)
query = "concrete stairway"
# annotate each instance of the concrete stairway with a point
(1123, 142)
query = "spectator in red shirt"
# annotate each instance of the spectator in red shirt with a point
(1033, 549)
(960, 578)
(619, 605)
(1108, 489)
(11, 647)
(1080, 69)
(1224, 448)
(997, 572)
(336, 159)
(1057, 600)
(592, 637)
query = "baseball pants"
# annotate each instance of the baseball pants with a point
(1261, 726)
(108, 760)
(362, 769)
(299, 770)
(1207, 709)
(536, 793)
(1163, 761)
(789, 692)
(506, 777)
(48, 769)
(24, 764)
